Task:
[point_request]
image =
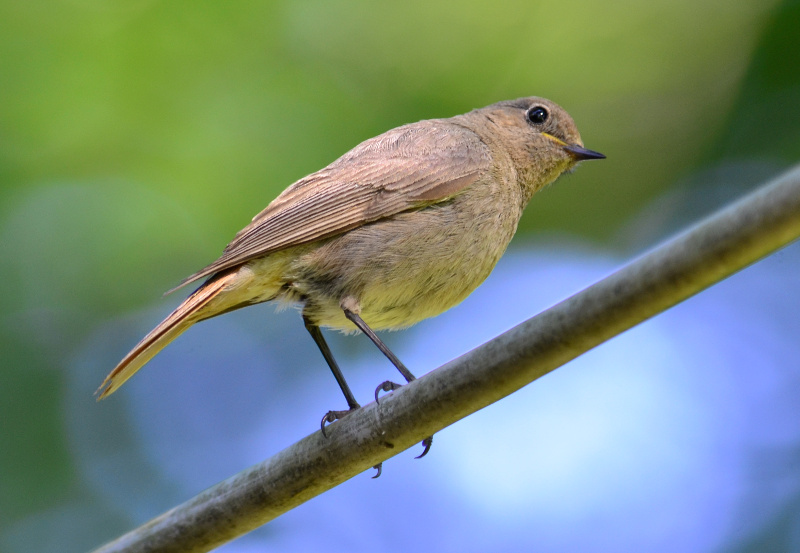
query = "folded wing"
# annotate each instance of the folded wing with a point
(406, 168)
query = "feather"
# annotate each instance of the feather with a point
(186, 314)
(403, 169)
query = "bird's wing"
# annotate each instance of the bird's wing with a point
(406, 168)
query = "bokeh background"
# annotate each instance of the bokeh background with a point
(137, 137)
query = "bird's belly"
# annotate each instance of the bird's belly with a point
(402, 270)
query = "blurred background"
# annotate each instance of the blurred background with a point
(137, 137)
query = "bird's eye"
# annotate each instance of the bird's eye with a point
(536, 115)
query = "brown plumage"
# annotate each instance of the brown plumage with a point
(400, 228)
(404, 168)
(176, 322)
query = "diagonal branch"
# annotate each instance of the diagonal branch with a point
(721, 245)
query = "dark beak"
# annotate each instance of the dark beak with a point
(580, 153)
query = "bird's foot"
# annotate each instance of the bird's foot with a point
(387, 386)
(331, 416)
(390, 386)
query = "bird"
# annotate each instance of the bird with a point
(401, 228)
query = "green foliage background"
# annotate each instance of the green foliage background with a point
(137, 137)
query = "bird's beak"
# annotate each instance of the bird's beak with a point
(580, 153)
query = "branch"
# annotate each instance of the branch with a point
(721, 245)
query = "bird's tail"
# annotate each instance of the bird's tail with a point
(186, 314)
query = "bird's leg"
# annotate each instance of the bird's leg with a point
(387, 386)
(331, 416)
(363, 327)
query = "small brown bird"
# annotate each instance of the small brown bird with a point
(400, 228)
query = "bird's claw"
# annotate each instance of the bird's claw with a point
(387, 386)
(427, 445)
(331, 416)
(379, 468)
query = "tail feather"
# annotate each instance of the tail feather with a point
(184, 316)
